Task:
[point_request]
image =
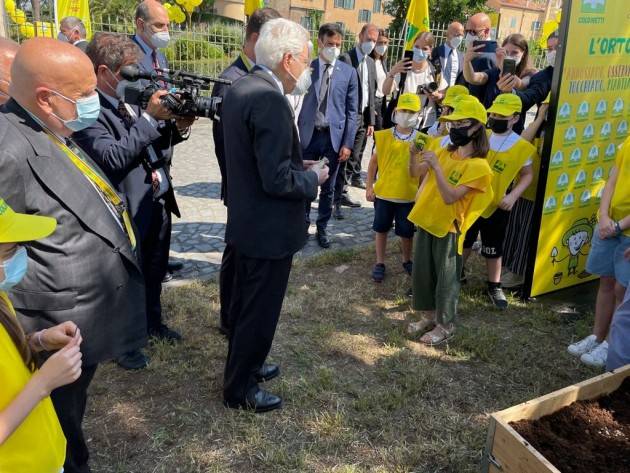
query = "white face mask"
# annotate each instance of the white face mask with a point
(367, 47)
(302, 83)
(551, 58)
(406, 119)
(330, 53)
(456, 41)
(517, 58)
(160, 39)
(381, 49)
(470, 38)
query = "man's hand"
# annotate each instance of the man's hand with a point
(370, 130)
(607, 227)
(156, 108)
(183, 123)
(507, 83)
(322, 174)
(344, 154)
(369, 194)
(471, 52)
(507, 203)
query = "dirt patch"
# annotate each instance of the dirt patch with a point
(585, 437)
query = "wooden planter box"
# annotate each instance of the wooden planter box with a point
(508, 452)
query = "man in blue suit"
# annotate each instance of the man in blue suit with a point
(328, 118)
(132, 148)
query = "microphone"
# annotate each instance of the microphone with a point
(132, 73)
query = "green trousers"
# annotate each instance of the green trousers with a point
(436, 271)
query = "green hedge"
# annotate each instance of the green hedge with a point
(185, 49)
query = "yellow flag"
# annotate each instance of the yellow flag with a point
(78, 8)
(252, 5)
(417, 21)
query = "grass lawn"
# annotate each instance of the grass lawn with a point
(360, 396)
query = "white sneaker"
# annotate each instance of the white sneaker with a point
(583, 346)
(596, 357)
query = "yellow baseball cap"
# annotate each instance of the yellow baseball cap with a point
(409, 102)
(16, 227)
(506, 105)
(452, 93)
(467, 107)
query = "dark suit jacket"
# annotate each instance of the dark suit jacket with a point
(341, 112)
(537, 91)
(234, 71)
(480, 64)
(270, 188)
(351, 58)
(121, 152)
(85, 271)
(439, 53)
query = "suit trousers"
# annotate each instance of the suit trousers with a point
(226, 284)
(321, 146)
(70, 402)
(155, 249)
(353, 165)
(258, 292)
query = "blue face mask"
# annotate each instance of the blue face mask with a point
(88, 110)
(14, 269)
(419, 55)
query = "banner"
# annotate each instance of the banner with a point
(588, 120)
(78, 8)
(417, 21)
(252, 5)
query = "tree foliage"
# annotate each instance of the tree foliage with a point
(440, 11)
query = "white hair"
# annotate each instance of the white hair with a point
(278, 37)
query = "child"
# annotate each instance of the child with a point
(394, 191)
(452, 93)
(509, 156)
(454, 191)
(31, 439)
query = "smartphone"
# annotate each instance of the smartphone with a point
(320, 164)
(509, 66)
(488, 46)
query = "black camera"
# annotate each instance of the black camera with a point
(183, 99)
(427, 88)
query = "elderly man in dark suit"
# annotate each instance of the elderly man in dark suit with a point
(450, 57)
(328, 118)
(266, 223)
(479, 27)
(239, 68)
(72, 30)
(87, 271)
(129, 145)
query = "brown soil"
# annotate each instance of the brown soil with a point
(585, 437)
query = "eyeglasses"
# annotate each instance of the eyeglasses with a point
(458, 124)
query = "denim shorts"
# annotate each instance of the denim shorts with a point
(606, 258)
(387, 212)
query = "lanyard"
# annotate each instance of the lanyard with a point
(108, 192)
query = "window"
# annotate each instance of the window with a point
(348, 4)
(376, 8)
(338, 3)
(365, 16)
(307, 22)
(513, 23)
(535, 25)
(341, 25)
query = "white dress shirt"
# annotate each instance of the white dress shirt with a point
(363, 77)
(454, 64)
(380, 78)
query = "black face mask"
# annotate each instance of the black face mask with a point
(497, 125)
(459, 136)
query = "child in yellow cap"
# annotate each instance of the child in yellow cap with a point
(509, 157)
(452, 93)
(456, 187)
(389, 184)
(31, 439)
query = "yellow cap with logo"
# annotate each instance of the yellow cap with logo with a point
(452, 93)
(467, 107)
(409, 102)
(16, 227)
(506, 105)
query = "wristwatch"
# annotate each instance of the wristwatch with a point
(618, 228)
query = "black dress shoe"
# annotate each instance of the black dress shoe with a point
(267, 372)
(322, 238)
(260, 401)
(358, 182)
(348, 202)
(224, 331)
(133, 360)
(174, 266)
(162, 332)
(167, 277)
(337, 213)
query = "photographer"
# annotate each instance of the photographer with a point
(134, 150)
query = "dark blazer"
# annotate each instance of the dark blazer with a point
(480, 64)
(264, 165)
(121, 152)
(85, 271)
(146, 61)
(234, 71)
(439, 53)
(342, 106)
(351, 58)
(535, 93)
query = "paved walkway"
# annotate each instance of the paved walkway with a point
(197, 238)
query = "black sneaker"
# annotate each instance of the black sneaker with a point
(497, 297)
(378, 272)
(408, 267)
(463, 279)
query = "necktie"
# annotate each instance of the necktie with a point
(449, 67)
(323, 90)
(124, 114)
(154, 57)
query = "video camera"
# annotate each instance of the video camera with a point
(184, 98)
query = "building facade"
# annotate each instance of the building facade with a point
(523, 16)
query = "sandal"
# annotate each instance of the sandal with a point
(423, 326)
(437, 336)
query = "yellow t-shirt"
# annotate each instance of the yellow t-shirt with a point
(38, 444)
(620, 203)
(530, 192)
(438, 218)
(392, 154)
(507, 156)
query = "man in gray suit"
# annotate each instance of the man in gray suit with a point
(87, 271)
(72, 30)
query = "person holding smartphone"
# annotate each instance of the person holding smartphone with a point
(512, 59)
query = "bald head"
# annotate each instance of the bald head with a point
(480, 24)
(43, 69)
(369, 32)
(8, 50)
(151, 17)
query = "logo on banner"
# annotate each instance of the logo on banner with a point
(563, 182)
(580, 179)
(593, 154)
(622, 129)
(557, 160)
(598, 174)
(593, 6)
(585, 198)
(588, 134)
(605, 131)
(564, 113)
(570, 135)
(600, 110)
(617, 107)
(576, 158)
(568, 201)
(582, 113)
(611, 150)
(550, 205)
